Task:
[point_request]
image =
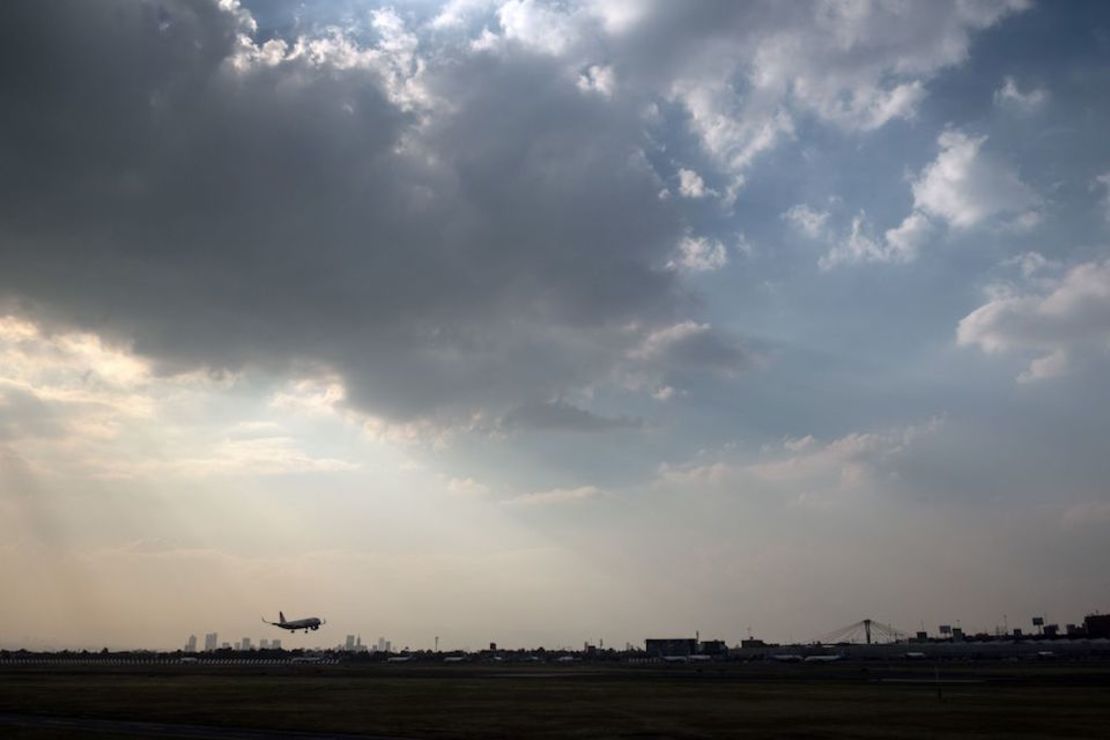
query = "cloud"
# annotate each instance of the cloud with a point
(691, 345)
(857, 66)
(859, 246)
(691, 185)
(963, 187)
(72, 405)
(556, 496)
(744, 73)
(847, 462)
(808, 470)
(905, 240)
(699, 254)
(1102, 182)
(1057, 319)
(807, 220)
(354, 199)
(246, 457)
(562, 416)
(341, 201)
(455, 13)
(966, 187)
(467, 487)
(598, 79)
(1010, 96)
(24, 415)
(536, 26)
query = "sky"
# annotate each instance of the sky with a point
(551, 322)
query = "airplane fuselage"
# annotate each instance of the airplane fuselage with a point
(309, 623)
(312, 623)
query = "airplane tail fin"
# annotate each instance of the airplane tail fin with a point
(281, 617)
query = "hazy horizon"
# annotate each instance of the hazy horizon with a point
(549, 322)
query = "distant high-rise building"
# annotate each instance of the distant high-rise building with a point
(210, 641)
(275, 644)
(349, 645)
(225, 646)
(237, 644)
(191, 644)
(263, 644)
(246, 643)
(383, 646)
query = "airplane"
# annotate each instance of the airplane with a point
(823, 658)
(309, 623)
(787, 658)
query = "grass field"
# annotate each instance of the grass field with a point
(845, 700)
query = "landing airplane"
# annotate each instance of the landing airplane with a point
(309, 623)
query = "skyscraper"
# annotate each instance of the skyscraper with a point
(246, 643)
(191, 644)
(275, 644)
(210, 641)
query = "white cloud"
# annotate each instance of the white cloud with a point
(808, 470)
(316, 395)
(1032, 263)
(556, 496)
(1058, 319)
(77, 405)
(967, 187)
(807, 220)
(907, 238)
(662, 361)
(733, 136)
(394, 59)
(857, 66)
(691, 185)
(964, 187)
(467, 487)
(699, 254)
(1011, 96)
(258, 456)
(599, 79)
(859, 246)
(456, 13)
(663, 393)
(849, 462)
(537, 26)
(1102, 182)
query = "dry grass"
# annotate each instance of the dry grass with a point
(539, 702)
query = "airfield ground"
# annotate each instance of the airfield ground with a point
(982, 700)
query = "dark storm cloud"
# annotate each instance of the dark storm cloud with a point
(475, 250)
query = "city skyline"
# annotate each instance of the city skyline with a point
(543, 322)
